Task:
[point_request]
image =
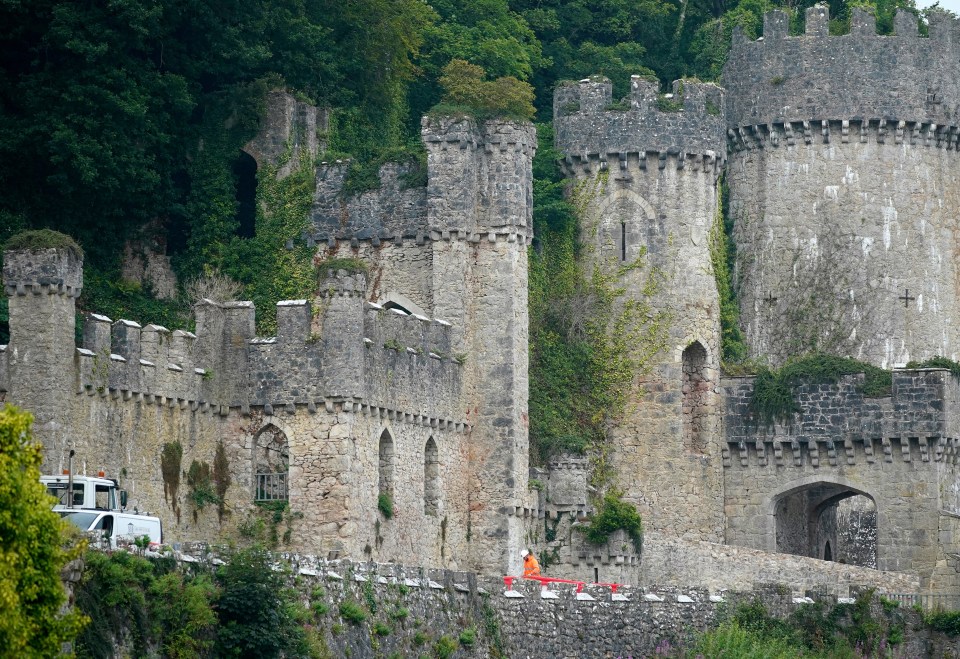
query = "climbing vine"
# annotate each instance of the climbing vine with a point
(722, 255)
(590, 341)
(773, 400)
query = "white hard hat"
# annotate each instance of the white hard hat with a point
(524, 553)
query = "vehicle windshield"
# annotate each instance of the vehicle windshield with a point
(82, 520)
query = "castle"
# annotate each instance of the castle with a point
(390, 411)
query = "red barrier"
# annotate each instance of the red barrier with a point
(508, 580)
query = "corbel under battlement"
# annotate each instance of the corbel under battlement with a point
(843, 131)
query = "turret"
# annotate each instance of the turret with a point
(841, 187)
(42, 285)
(646, 171)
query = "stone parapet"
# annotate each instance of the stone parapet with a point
(50, 271)
(843, 131)
(589, 126)
(896, 78)
(837, 422)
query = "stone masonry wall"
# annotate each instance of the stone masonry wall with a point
(889, 449)
(409, 611)
(844, 188)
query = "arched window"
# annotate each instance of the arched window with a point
(386, 465)
(695, 390)
(431, 478)
(271, 461)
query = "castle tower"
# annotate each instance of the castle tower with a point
(479, 212)
(646, 179)
(42, 286)
(844, 183)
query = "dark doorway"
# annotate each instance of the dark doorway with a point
(245, 179)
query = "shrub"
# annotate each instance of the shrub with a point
(254, 608)
(385, 505)
(613, 514)
(444, 647)
(468, 637)
(382, 629)
(352, 612)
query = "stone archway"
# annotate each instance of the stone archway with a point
(808, 522)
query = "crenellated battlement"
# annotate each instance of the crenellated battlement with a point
(856, 76)
(50, 271)
(685, 126)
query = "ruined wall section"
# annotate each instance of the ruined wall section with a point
(844, 188)
(891, 449)
(646, 178)
(290, 131)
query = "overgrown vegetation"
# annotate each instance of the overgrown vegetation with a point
(385, 504)
(243, 609)
(466, 91)
(841, 631)
(614, 514)
(34, 546)
(722, 258)
(39, 239)
(938, 362)
(588, 343)
(773, 396)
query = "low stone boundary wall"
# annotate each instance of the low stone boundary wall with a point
(726, 567)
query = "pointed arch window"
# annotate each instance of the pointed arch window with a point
(696, 387)
(386, 463)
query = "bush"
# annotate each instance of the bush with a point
(467, 92)
(444, 647)
(385, 505)
(468, 637)
(254, 608)
(352, 612)
(611, 515)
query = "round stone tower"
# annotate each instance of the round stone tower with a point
(845, 188)
(645, 180)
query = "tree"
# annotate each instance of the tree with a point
(32, 550)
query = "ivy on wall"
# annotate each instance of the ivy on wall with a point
(589, 340)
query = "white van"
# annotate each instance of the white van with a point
(115, 525)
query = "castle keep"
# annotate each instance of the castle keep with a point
(406, 382)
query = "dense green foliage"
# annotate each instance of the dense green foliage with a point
(613, 514)
(244, 609)
(817, 631)
(34, 547)
(39, 239)
(773, 398)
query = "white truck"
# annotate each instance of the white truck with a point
(96, 503)
(114, 526)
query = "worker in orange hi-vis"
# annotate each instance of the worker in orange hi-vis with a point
(531, 568)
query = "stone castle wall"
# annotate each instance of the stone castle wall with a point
(896, 450)
(844, 188)
(350, 401)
